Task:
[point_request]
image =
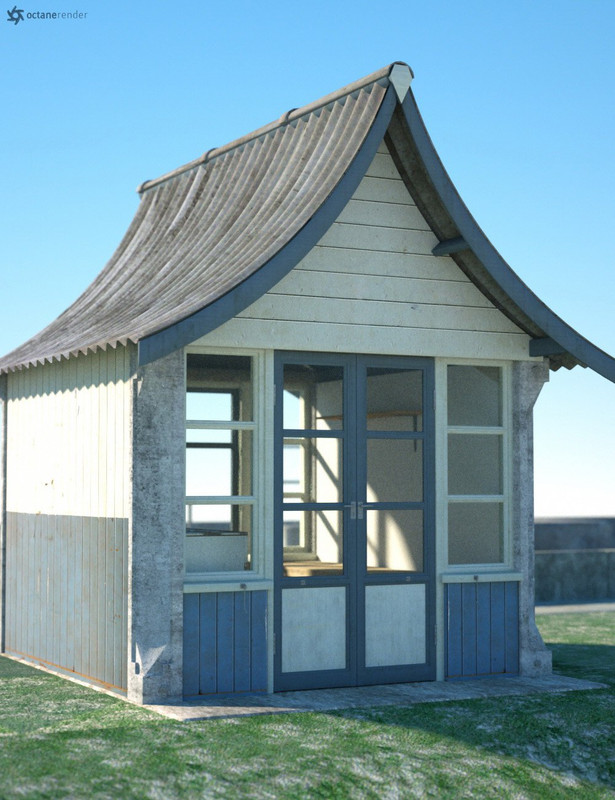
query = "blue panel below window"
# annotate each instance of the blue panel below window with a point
(482, 629)
(225, 642)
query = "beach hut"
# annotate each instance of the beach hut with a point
(284, 439)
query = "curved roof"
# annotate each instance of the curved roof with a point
(211, 237)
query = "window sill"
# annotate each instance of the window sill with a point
(480, 576)
(200, 584)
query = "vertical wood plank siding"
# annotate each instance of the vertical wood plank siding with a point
(482, 629)
(68, 446)
(225, 642)
(372, 281)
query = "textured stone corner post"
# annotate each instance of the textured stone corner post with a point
(528, 380)
(3, 433)
(156, 542)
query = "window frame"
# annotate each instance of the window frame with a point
(504, 500)
(255, 426)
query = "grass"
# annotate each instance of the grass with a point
(60, 740)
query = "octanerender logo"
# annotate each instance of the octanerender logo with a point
(17, 15)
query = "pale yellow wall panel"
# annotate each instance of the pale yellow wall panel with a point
(68, 445)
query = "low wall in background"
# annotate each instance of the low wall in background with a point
(575, 560)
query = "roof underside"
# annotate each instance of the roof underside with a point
(211, 237)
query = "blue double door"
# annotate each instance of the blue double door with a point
(354, 529)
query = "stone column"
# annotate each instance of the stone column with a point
(157, 530)
(528, 380)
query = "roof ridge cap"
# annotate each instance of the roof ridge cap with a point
(388, 73)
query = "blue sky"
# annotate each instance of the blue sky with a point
(518, 98)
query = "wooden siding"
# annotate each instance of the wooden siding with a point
(372, 285)
(225, 642)
(68, 499)
(482, 629)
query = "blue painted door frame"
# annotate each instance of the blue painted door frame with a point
(355, 577)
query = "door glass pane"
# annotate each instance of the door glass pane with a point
(475, 396)
(475, 464)
(394, 471)
(475, 533)
(394, 399)
(313, 470)
(313, 542)
(394, 540)
(313, 397)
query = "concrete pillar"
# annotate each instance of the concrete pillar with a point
(528, 380)
(157, 530)
(3, 433)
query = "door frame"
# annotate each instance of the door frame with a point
(354, 443)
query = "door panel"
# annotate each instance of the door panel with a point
(354, 529)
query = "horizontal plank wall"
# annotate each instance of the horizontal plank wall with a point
(225, 642)
(67, 502)
(482, 629)
(372, 285)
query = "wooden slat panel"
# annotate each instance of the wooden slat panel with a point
(371, 237)
(191, 644)
(512, 627)
(258, 642)
(241, 643)
(391, 190)
(383, 167)
(385, 215)
(381, 264)
(453, 628)
(483, 628)
(468, 622)
(225, 642)
(498, 652)
(307, 283)
(208, 654)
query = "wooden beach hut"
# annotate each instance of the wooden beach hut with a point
(284, 439)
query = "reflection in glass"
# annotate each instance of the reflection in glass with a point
(218, 387)
(475, 396)
(394, 540)
(475, 533)
(215, 467)
(394, 399)
(475, 464)
(313, 470)
(313, 397)
(394, 470)
(313, 542)
(218, 538)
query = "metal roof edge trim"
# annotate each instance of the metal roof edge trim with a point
(586, 353)
(289, 117)
(185, 331)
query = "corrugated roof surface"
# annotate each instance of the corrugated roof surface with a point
(201, 231)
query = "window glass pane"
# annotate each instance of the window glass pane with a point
(219, 387)
(220, 469)
(394, 399)
(209, 472)
(218, 538)
(203, 436)
(394, 540)
(475, 396)
(475, 533)
(475, 464)
(394, 471)
(313, 470)
(313, 397)
(313, 542)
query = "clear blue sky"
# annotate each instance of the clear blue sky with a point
(519, 99)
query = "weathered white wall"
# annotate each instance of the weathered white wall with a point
(67, 510)
(371, 285)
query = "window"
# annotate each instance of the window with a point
(477, 500)
(220, 431)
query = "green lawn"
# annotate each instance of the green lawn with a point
(58, 740)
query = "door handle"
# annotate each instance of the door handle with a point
(356, 509)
